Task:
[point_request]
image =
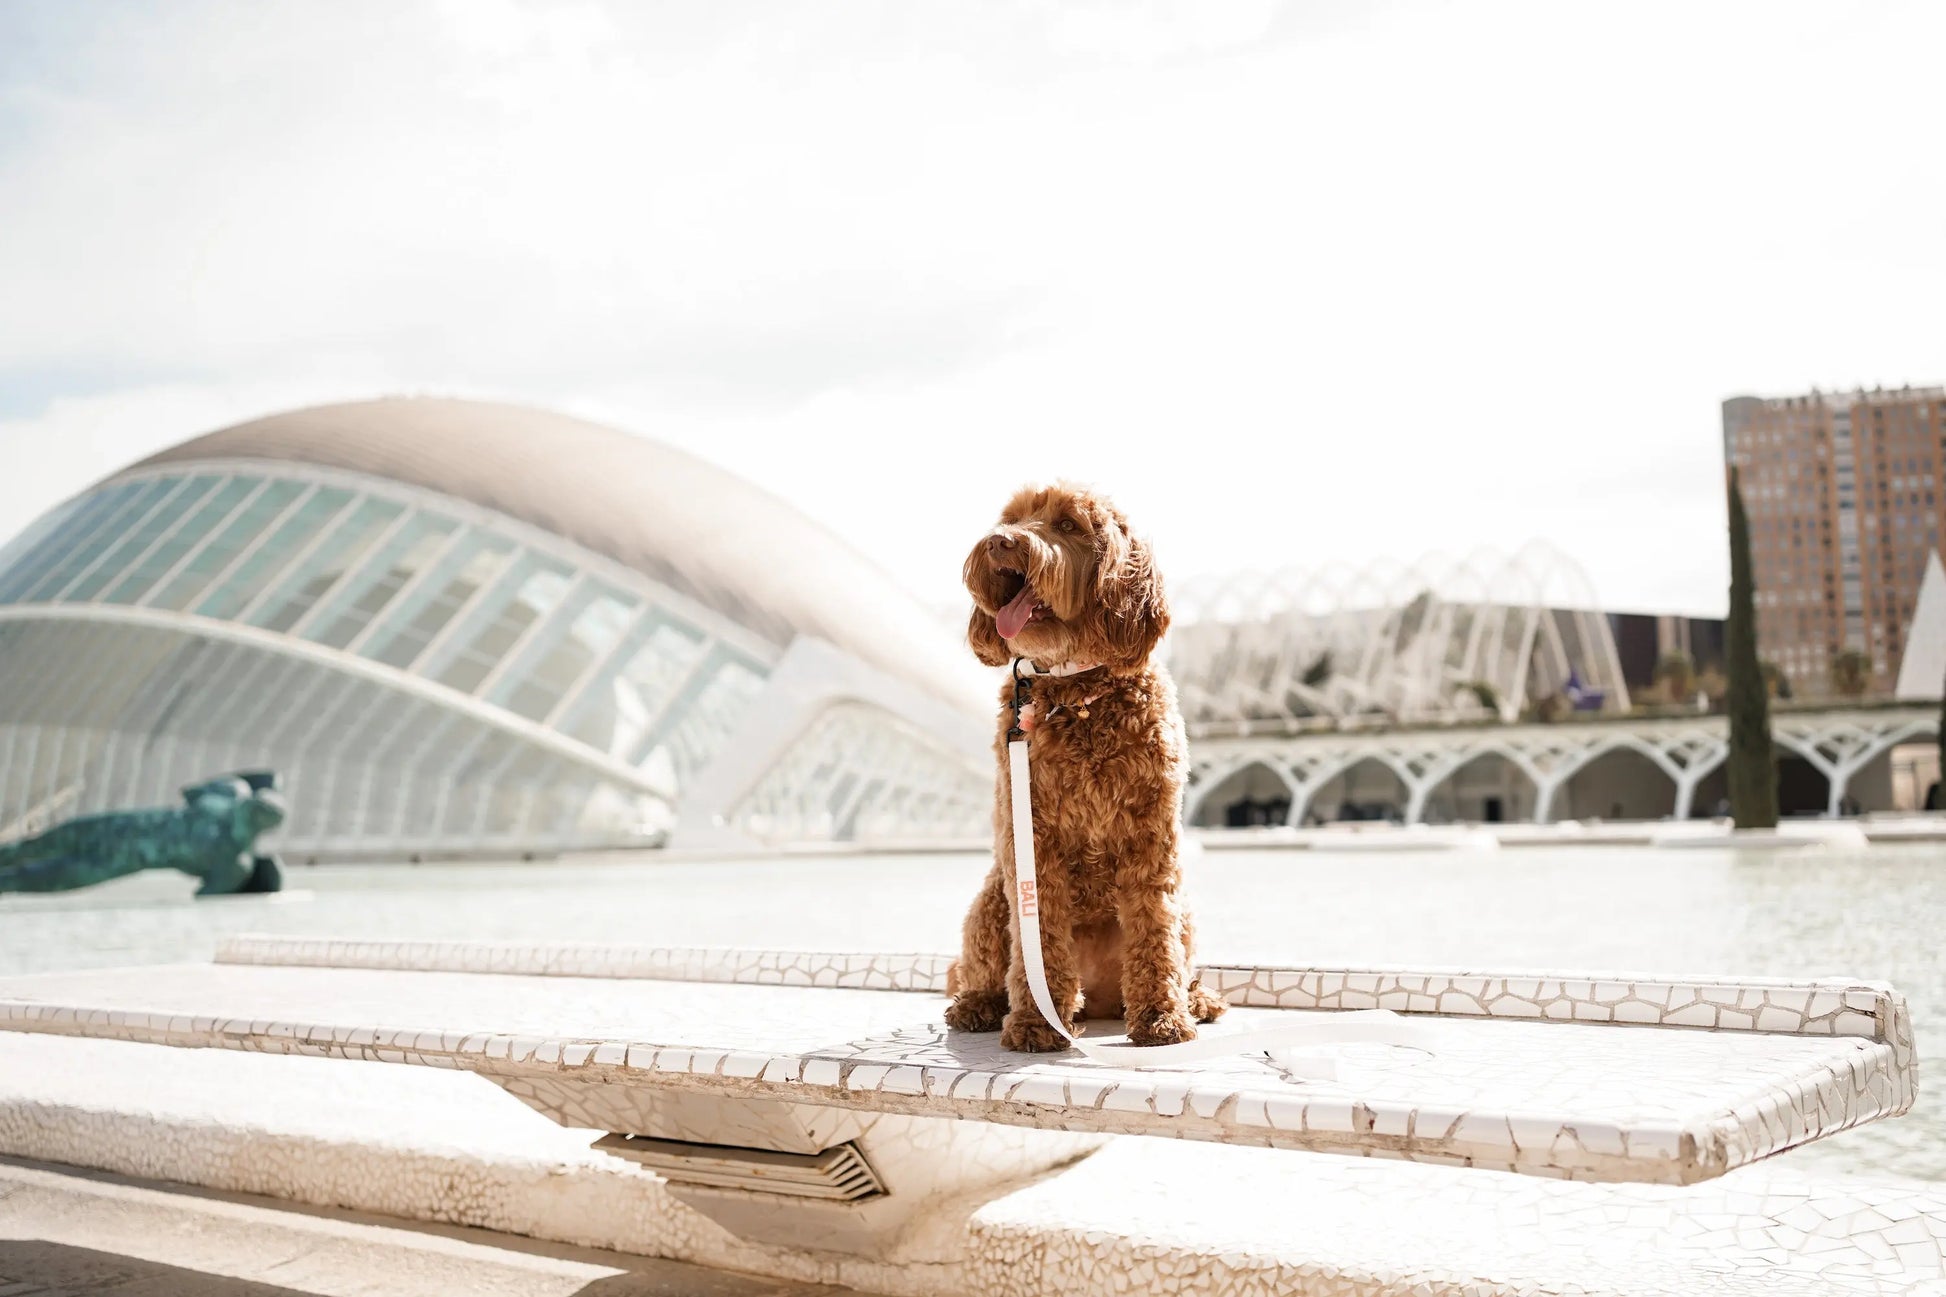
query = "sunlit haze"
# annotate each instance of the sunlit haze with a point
(1299, 284)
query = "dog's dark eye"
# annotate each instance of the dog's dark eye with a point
(1065, 524)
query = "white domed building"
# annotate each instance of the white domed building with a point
(471, 629)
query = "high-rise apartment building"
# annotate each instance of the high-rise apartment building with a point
(1846, 494)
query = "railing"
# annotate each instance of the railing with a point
(1289, 726)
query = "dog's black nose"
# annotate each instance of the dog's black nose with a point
(998, 544)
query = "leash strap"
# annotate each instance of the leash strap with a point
(1380, 1026)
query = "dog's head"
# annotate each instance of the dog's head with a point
(1061, 578)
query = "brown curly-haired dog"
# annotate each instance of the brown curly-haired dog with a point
(1063, 583)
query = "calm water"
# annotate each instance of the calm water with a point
(1812, 912)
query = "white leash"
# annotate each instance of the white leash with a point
(1292, 1045)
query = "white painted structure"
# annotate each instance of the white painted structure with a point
(1162, 1218)
(459, 628)
(748, 1046)
(805, 1116)
(1535, 769)
(1922, 670)
(1438, 641)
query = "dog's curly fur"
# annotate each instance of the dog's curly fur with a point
(1107, 757)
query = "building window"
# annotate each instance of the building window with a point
(338, 552)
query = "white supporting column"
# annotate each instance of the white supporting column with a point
(1423, 772)
(1686, 793)
(1300, 803)
(1544, 791)
(1417, 792)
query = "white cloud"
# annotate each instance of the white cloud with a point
(1301, 283)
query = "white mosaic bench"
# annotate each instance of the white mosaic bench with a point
(813, 1100)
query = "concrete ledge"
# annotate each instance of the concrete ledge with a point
(1812, 1007)
(1143, 1216)
(1844, 835)
(1189, 1219)
(65, 1232)
(1590, 1096)
(1379, 836)
(413, 1143)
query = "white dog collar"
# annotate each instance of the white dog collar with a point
(1024, 667)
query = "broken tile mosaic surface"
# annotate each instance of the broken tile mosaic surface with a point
(1578, 1096)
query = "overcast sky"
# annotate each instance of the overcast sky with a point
(1302, 284)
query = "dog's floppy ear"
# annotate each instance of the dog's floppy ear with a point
(984, 636)
(1131, 614)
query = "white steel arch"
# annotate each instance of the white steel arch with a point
(1840, 750)
(1838, 743)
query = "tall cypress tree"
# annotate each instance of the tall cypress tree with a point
(1753, 772)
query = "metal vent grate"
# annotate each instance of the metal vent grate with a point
(838, 1174)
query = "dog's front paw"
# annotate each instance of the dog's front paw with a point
(1203, 1006)
(1160, 1027)
(977, 1011)
(1029, 1033)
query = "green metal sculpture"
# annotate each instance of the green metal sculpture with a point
(212, 837)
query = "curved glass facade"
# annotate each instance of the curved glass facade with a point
(439, 673)
(98, 717)
(461, 603)
(470, 636)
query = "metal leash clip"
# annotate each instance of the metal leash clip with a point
(1022, 688)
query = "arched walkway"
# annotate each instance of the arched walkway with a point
(1712, 797)
(1838, 753)
(1652, 768)
(1369, 789)
(1622, 783)
(1490, 788)
(1256, 794)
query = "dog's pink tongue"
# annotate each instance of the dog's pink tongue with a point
(1010, 620)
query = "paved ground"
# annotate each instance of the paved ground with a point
(64, 1232)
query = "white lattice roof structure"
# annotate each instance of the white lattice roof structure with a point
(1440, 639)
